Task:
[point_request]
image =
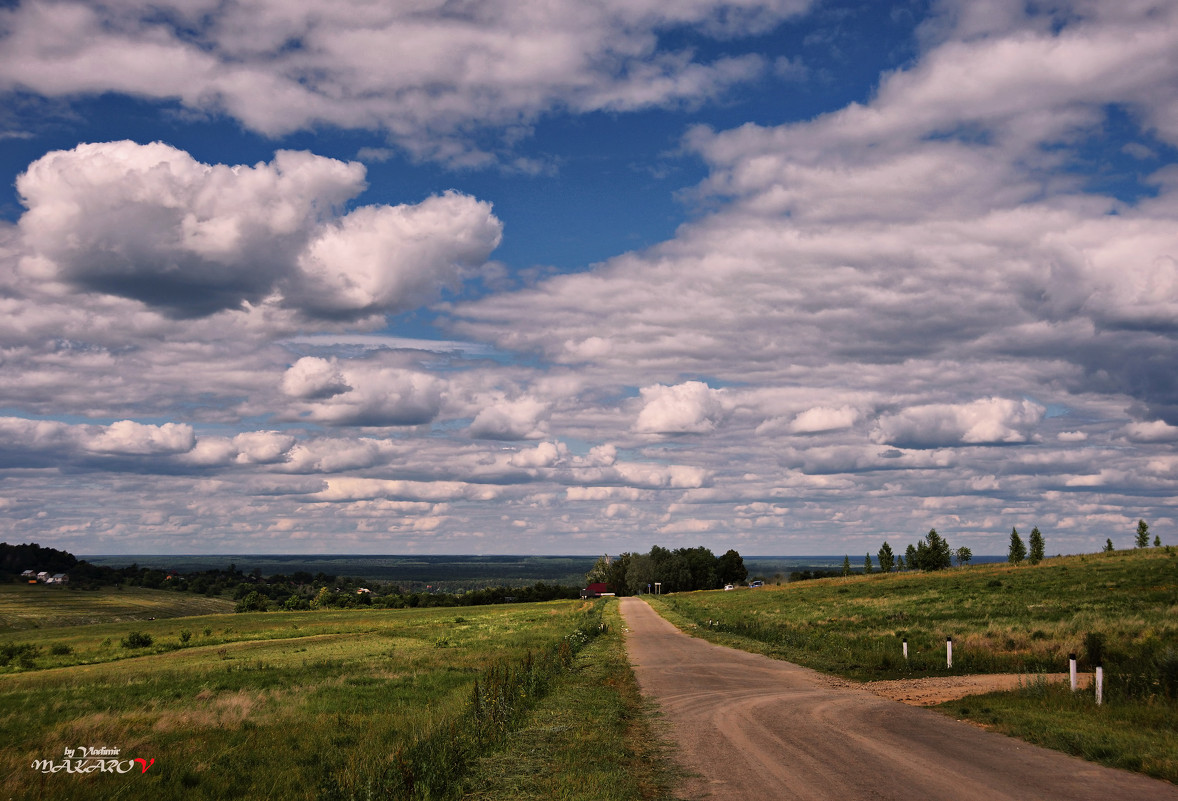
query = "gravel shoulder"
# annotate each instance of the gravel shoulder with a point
(939, 689)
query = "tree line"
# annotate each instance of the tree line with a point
(680, 570)
(934, 553)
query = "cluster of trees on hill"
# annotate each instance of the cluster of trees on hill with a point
(934, 553)
(680, 570)
(15, 559)
(931, 553)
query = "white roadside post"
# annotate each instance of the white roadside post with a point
(949, 652)
(1099, 684)
(905, 641)
(1072, 670)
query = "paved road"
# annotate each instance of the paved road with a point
(755, 728)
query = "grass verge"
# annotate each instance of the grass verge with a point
(590, 739)
(1132, 736)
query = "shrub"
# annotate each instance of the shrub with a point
(22, 653)
(60, 649)
(137, 639)
(252, 602)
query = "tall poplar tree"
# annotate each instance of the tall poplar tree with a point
(1036, 554)
(1142, 534)
(1018, 551)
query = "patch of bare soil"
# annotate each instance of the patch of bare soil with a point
(938, 689)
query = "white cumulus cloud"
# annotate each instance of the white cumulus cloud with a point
(989, 421)
(521, 418)
(151, 223)
(688, 408)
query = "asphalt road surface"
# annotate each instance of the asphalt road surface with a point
(754, 728)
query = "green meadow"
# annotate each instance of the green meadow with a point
(325, 704)
(31, 606)
(1119, 610)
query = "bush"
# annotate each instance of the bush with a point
(22, 653)
(137, 639)
(61, 649)
(252, 602)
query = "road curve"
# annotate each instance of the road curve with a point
(751, 727)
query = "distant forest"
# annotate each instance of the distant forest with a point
(254, 591)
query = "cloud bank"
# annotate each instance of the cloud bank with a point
(924, 308)
(432, 77)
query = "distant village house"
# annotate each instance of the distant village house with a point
(44, 578)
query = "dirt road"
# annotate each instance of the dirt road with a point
(755, 728)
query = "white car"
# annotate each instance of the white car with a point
(729, 587)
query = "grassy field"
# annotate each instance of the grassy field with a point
(280, 705)
(1119, 609)
(31, 606)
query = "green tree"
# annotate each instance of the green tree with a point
(1157, 541)
(617, 576)
(730, 568)
(846, 565)
(1142, 540)
(933, 553)
(639, 574)
(322, 598)
(701, 566)
(887, 560)
(867, 568)
(964, 556)
(1017, 551)
(1108, 546)
(1037, 545)
(910, 557)
(899, 563)
(599, 572)
(253, 602)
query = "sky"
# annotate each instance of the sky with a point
(555, 277)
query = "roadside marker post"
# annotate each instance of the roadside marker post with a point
(1099, 684)
(905, 641)
(1072, 670)
(949, 652)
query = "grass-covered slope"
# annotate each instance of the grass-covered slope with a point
(1111, 607)
(32, 606)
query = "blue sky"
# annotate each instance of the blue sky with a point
(787, 276)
